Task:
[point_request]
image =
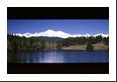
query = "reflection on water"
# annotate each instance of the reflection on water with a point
(59, 57)
(51, 56)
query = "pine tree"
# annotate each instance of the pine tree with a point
(89, 46)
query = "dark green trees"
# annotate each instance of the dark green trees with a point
(106, 41)
(59, 45)
(89, 46)
(74, 41)
(16, 43)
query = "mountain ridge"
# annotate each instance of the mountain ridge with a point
(61, 34)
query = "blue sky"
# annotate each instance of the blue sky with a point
(77, 26)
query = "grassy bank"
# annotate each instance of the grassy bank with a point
(97, 46)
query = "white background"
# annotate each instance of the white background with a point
(58, 3)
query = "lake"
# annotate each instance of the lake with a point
(60, 56)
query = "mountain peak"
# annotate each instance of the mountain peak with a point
(52, 33)
(49, 30)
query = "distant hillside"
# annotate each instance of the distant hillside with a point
(52, 39)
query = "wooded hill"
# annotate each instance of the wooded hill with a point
(16, 43)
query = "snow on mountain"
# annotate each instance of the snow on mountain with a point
(80, 35)
(52, 33)
(19, 34)
(61, 34)
(103, 35)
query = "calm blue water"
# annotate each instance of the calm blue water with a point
(63, 57)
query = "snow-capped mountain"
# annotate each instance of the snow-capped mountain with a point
(52, 33)
(61, 34)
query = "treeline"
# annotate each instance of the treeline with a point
(85, 40)
(88, 41)
(16, 43)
